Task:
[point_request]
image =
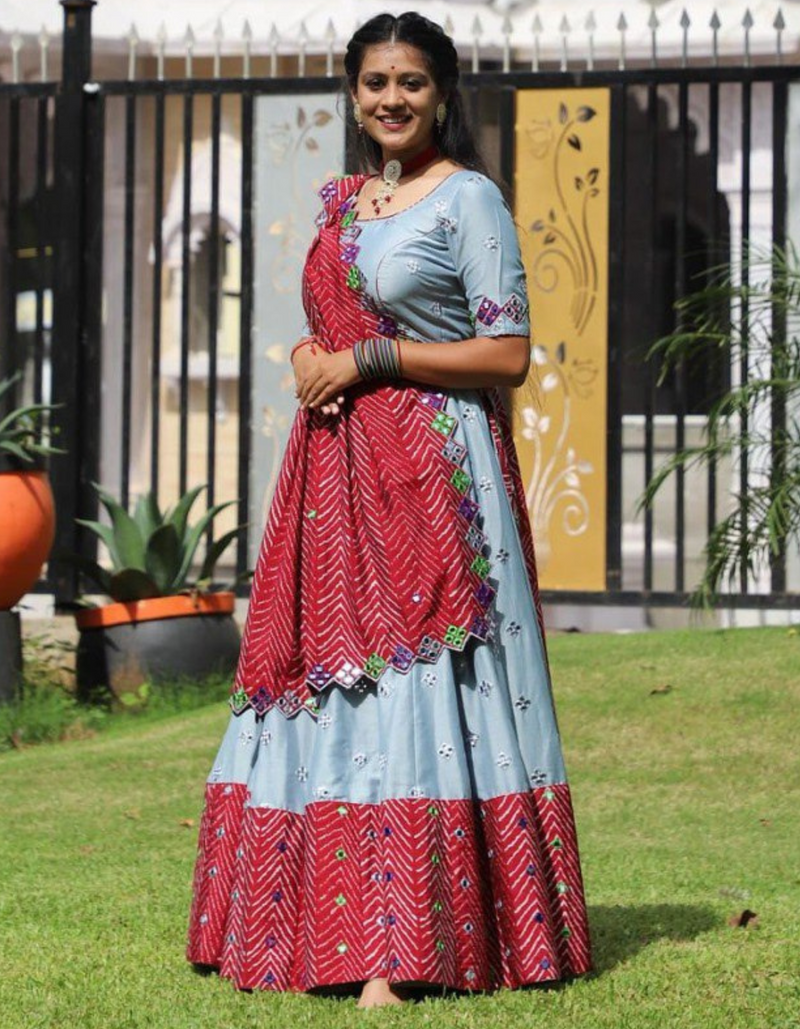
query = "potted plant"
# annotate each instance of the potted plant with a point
(27, 509)
(163, 622)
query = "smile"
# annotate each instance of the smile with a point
(394, 119)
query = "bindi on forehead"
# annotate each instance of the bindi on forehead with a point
(396, 57)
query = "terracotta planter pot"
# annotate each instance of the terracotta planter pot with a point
(27, 528)
(124, 644)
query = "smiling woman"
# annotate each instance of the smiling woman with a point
(389, 808)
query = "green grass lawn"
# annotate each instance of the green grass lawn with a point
(686, 801)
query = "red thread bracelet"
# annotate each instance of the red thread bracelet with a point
(307, 342)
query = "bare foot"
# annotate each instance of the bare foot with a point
(376, 993)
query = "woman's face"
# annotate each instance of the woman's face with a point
(398, 99)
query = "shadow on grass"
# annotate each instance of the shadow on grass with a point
(617, 934)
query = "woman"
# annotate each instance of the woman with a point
(389, 805)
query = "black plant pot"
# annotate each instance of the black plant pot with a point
(151, 646)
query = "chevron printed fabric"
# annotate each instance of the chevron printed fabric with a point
(369, 559)
(473, 895)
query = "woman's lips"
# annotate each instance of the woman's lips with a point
(395, 126)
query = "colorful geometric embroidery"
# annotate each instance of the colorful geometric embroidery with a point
(489, 310)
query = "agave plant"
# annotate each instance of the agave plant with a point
(152, 552)
(764, 522)
(20, 427)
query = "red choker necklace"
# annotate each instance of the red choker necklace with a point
(392, 171)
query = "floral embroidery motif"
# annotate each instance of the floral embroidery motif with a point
(522, 703)
(360, 759)
(502, 556)
(266, 737)
(485, 687)
(446, 750)
(412, 265)
(473, 739)
(321, 792)
(537, 777)
(485, 484)
(301, 774)
(491, 243)
(502, 760)
(513, 629)
(429, 680)
(385, 688)
(325, 720)
(245, 736)
(469, 414)
(216, 772)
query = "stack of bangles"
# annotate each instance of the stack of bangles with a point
(378, 358)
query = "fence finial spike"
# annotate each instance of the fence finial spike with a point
(779, 25)
(330, 42)
(219, 32)
(653, 22)
(715, 24)
(622, 28)
(477, 32)
(44, 43)
(564, 26)
(507, 28)
(247, 32)
(133, 34)
(161, 35)
(189, 38)
(16, 46)
(303, 34)
(590, 25)
(538, 28)
(273, 40)
(685, 21)
(747, 24)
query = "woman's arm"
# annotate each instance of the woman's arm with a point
(467, 364)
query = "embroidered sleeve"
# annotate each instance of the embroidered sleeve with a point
(485, 250)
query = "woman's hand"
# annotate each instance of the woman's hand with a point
(321, 378)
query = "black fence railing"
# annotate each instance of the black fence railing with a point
(671, 218)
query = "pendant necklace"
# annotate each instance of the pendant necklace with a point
(392, 171)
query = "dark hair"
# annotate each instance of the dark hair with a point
(454, 138)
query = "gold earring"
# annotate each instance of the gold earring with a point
(441, 114)
(358, 116)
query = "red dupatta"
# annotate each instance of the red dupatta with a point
(372, 556)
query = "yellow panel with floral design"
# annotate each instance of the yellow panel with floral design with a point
(561, 190)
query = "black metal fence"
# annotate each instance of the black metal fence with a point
(669, 220)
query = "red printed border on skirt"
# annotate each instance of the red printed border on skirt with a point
(473, 895)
